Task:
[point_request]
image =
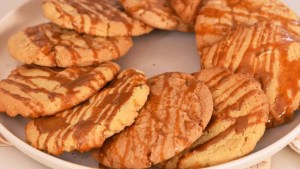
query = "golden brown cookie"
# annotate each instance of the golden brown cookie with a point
(52, 46)
(177, 111)
(86, 126)
(218, 17)
(187, 10)
(94, 17)
(34, 91)
(271, 55)
(240, 112)
(156, 13)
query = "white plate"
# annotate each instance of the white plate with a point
(158, 52)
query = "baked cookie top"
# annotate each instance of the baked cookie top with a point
(177, 111)
(52, 46)
(93, 17)
(271, 55)
(187, 10)
(87, 125)
(240, 113)
(34, 91)
(219, 17)
(156, 13)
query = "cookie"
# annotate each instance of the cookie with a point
(271, 55)
(34, 91)
(99, 18)
(238, 122)
(156, 13)
(86, 126)
(218, 17)
(177, 111)
(187, 10)
(52, 46)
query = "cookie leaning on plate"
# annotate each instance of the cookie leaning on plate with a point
(177, 111)
(99, 18)
(219, 17)
(87, 125)
(34, 91)
(240, 113)
(156, 13)
(52, 46)
(271, 55)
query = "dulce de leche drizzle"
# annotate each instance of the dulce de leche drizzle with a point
(97, 11)
(161, 129)
(234, 112)
(49, 38)
(46, 91)
(244, 12)
(82, 124)
(272, 56)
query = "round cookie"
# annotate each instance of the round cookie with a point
(187, 10)
(52, 46)
(219, 17)
(88, 125)
(34, 91)
(156, 13)
(238, 122)
(177, 111)
(271, 55)
(93, 17)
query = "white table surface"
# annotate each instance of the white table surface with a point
(11, 158)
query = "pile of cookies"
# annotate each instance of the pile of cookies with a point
(79, 100)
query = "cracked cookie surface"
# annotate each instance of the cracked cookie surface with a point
(238, 122)
(271, 55)
(34, 91)
(93, 17)
(89, 124)
(177, 111)
(52, 46)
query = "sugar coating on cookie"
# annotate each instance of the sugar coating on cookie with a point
(156, 13)
(187, 10)
(87, 125)
(94, 17)
(52, 46)
(240, 113)
(270, 54)
(34, 91)
(177, 111)
(218, 17)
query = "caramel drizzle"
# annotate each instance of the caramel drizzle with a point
(49, 36)
(183, 7)
(162, 113)
(223, 112)
(267, 47)
(95, 10)
(160, 8)
(259, 13)
(70, 79)
(79, 123)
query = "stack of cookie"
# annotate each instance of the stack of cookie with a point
(79, 100)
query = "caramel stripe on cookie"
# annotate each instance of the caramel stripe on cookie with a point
(238, 122)
(88, 15)
(156, 13)
(52, 46)
(187, 10)
(40, 91)
(271, 55)
(218, 17)
(87, 126)
(177, 111)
